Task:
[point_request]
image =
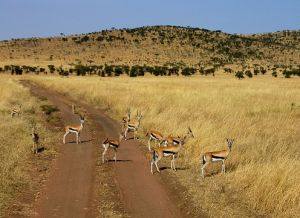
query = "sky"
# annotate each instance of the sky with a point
(43, 18)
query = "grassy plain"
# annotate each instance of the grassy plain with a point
(262, 114)
(19, 168)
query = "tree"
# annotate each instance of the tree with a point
(239, 75)
(51, 68)
(248, 73)
(188, 71)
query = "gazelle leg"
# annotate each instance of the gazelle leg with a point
(202, 169)
(223, 167)
(125, 133)
(36, 148)
(103, 155)
(157, 166)
(174, 163)
(152, 162)
(149, 147)
(156, 161)
(64, 139)
(77, 137)
(115, 155)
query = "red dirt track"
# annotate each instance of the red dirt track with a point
(70, 189)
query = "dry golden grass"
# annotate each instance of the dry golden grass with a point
(16, 158)
(262, 114)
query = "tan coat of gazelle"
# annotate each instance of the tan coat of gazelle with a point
(133, 126)
(156, 136)
(74, 129)
(216, 156)
(169, 151)
(111, 144)
(126, 120)
(171, 140)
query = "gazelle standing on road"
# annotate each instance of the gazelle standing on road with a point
(216, 156)
(111, 144)
(171, 140)
(160, 152)
(16, 110)
(126, 120)
(74, 129)
(133, 126)
(35, 140)
(156, 136)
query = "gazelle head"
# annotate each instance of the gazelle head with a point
(33, 127)
(138, 115)
(128, 114)
(230, 143)
(82, 118)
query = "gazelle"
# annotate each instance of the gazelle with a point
(171, 140)
(16, 110)
(74, 129)
(172, 151)
(156, 136)
(133, 126)
(35, 140)
(126, 120)
(216, 156)
(111, 144)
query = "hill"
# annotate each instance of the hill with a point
(157, 46)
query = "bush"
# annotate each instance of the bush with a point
(48, 109)
(81, 69)
(85, 39)
(248, 73)
(239, 75)
(136, 71)
(118, 71)
(108, 70)
(51, 68)
(274, 74)
(188, 71)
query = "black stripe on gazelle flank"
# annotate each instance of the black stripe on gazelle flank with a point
(216, 157)
(72, 129)
(176, 141)
(153, 136)
(114, 145)
(169, 152)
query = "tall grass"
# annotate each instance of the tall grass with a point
(15, 146)
(262, 114)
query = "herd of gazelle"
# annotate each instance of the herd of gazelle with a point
(168, 146)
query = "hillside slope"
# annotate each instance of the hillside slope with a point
(156, 45)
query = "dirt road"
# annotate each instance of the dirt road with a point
(70, 189)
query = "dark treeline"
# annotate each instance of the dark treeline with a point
(137, 70)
